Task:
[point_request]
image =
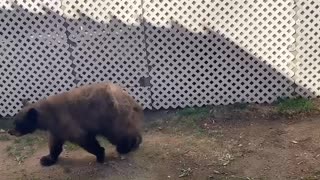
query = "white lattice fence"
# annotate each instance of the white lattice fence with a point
(109, 44)
(23, 19)
(308, 48)
(37, 59)
(219, 52)
(34, 59)
(196, 52)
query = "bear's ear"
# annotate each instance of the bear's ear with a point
(32, 114)
(25, 102)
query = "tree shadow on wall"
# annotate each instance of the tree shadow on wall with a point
(186, 68)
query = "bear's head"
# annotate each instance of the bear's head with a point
(25, 122)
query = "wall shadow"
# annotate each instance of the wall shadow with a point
(193, 70)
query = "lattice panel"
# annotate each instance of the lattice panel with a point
(110, 18)
(200, 52)
(109, 44)
(308, 48)
(219, 52)
(24, 18)
(141, 95)
(34, 57)
(33, 69)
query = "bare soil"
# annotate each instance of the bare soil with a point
(249, 142)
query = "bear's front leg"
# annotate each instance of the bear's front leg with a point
(55, 146)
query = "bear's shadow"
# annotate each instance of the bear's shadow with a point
(85, 165)
(87, 160)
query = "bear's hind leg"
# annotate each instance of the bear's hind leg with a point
(55, 146)
(91, 145)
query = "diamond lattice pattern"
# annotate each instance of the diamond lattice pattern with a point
(219, 52)
(34, 53)
(195, 52)
(308, 49)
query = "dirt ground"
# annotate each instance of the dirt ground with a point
(222, 142)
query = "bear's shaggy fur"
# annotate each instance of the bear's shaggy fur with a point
(80, 115)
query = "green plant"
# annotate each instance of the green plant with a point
(297, 105)
(240, 105)
(191, 118)
(197, 112)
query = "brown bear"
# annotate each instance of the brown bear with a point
(81, 114)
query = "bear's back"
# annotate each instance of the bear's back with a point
(97, 107)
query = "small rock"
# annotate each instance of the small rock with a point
(216, 172)
(185, 172)
(2, 131)
(294, 142)
(226, 163)
(122, 157)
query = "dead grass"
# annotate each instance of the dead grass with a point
(25, 146)
(4, 137)
(258, 148)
